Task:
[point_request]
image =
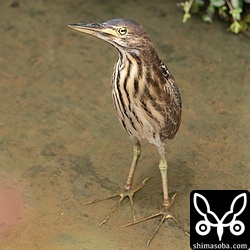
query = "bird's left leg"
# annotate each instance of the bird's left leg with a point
(128, 191)
(165, 212)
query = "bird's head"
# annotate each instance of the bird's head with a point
(124, 34)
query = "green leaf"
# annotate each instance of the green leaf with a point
(185, 6)
(247, 18)
(236, 13)
(244, 26)
(217, 3)
(195, 8)
(223, 12)
(236, 3)
(235, 27)
(199, 2)
(206, 18)
(210, 9)
(186, 16)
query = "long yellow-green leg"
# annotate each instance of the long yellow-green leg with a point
(128, 191)
(167, 203)
(163, 166)
(136, 156)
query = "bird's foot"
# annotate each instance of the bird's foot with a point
(126, 193)
(166, 214)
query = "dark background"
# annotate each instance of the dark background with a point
(220, 202)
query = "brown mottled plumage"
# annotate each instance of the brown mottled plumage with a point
(145, 95)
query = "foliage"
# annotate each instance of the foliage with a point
(228, 10)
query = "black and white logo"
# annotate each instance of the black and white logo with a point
(219, 219)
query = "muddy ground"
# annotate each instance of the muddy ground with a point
(62, 145)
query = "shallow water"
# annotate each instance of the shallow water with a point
(62, 145)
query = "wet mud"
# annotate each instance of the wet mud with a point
(62, 145)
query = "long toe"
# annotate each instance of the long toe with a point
(165, 214)
(126, 193)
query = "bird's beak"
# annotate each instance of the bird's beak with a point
(95, 29)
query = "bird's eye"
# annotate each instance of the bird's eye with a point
(122, 31)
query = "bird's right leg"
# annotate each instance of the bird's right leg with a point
(128, 191)
(165, 212)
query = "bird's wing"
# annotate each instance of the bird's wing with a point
(173, 105)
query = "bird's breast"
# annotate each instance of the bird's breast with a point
(139, 108)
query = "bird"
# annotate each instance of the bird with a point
(147, 101)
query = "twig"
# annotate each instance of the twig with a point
(232, 9)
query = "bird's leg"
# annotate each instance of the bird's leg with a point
(128, 191)
(165, 212)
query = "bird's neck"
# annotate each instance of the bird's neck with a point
(140, 57)
(134, 67)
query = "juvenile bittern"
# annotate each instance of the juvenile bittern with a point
(146, 98)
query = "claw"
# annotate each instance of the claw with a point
(126, 193)
(166, 214)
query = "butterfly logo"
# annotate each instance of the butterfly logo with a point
(203, 227)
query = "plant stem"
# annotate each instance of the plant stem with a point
(231, 8)
(190, 4)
